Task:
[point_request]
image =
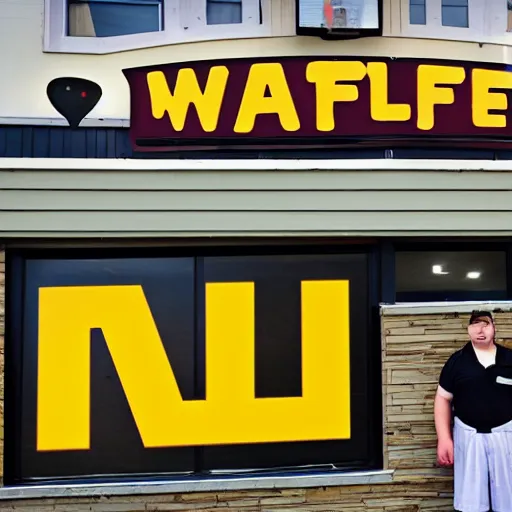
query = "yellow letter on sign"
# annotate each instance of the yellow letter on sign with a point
(231, 413)
(430, 95)
(326, 77)
(186, 93)
(261, 77)
(484, 101)
(380, 108)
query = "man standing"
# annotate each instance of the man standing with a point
(477, 381)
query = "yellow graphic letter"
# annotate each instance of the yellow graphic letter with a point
(325, 76)
(254, 102)
(380, 108)
(231, 413)
(187, 92)
(429, 95)
(483, 100)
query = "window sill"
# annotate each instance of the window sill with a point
(103, 46)
(435, 308)
(458, 36)
(237, 483)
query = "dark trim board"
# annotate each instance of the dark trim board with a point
(62, 142)
(24, 141)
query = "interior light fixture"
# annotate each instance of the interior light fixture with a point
(473, 274)
(438, 270)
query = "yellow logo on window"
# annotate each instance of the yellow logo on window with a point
(230, 414)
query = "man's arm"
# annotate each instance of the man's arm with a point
(442, 418)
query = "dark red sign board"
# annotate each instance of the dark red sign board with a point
(319, 101)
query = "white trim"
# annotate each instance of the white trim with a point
(178, 28)
(198, 485)
(129, 164)
(487, 23)
(496, 23)
(88, 122)
(432, 308)
(390, 17)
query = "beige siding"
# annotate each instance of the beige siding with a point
(251, 203)
(29, 70)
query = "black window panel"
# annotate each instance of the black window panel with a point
(450, 275)
(278, 356)
(174, 288)
(116, 447)
(443, 153)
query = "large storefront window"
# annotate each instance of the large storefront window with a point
(129, 367)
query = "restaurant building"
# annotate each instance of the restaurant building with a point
(236, 247)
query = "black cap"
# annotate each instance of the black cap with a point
(479, 314)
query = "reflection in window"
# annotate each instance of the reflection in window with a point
(423, 276)
(222, 12)
(417, 12)
(509, 15)
(455, 13)
(107, 18)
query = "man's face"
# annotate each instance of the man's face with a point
(481, 331)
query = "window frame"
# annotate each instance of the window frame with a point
(433, 28)
(16, 260)
(434, 244)
(179, 27)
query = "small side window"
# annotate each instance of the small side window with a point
(425, 276)
(455, 13)
(417, 12)
(223, 12)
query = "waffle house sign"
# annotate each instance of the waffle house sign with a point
(318, 101)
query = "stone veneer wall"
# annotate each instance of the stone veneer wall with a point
(413, 350)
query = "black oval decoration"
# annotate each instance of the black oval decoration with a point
(73, 98)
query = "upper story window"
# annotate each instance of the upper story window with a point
(106, 26)
(454, 13)
(443, 19)
(487, 21)
(110, 18)
(417, 12)
(221, 12)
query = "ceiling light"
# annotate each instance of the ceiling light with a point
(438, 270)
(473, 274)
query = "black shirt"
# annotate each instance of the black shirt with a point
(482, 398)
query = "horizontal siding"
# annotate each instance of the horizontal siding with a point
(363, 180)
(255, 221)
(138, 203)
(251, 201)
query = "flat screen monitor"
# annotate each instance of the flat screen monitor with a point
(339, 18)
